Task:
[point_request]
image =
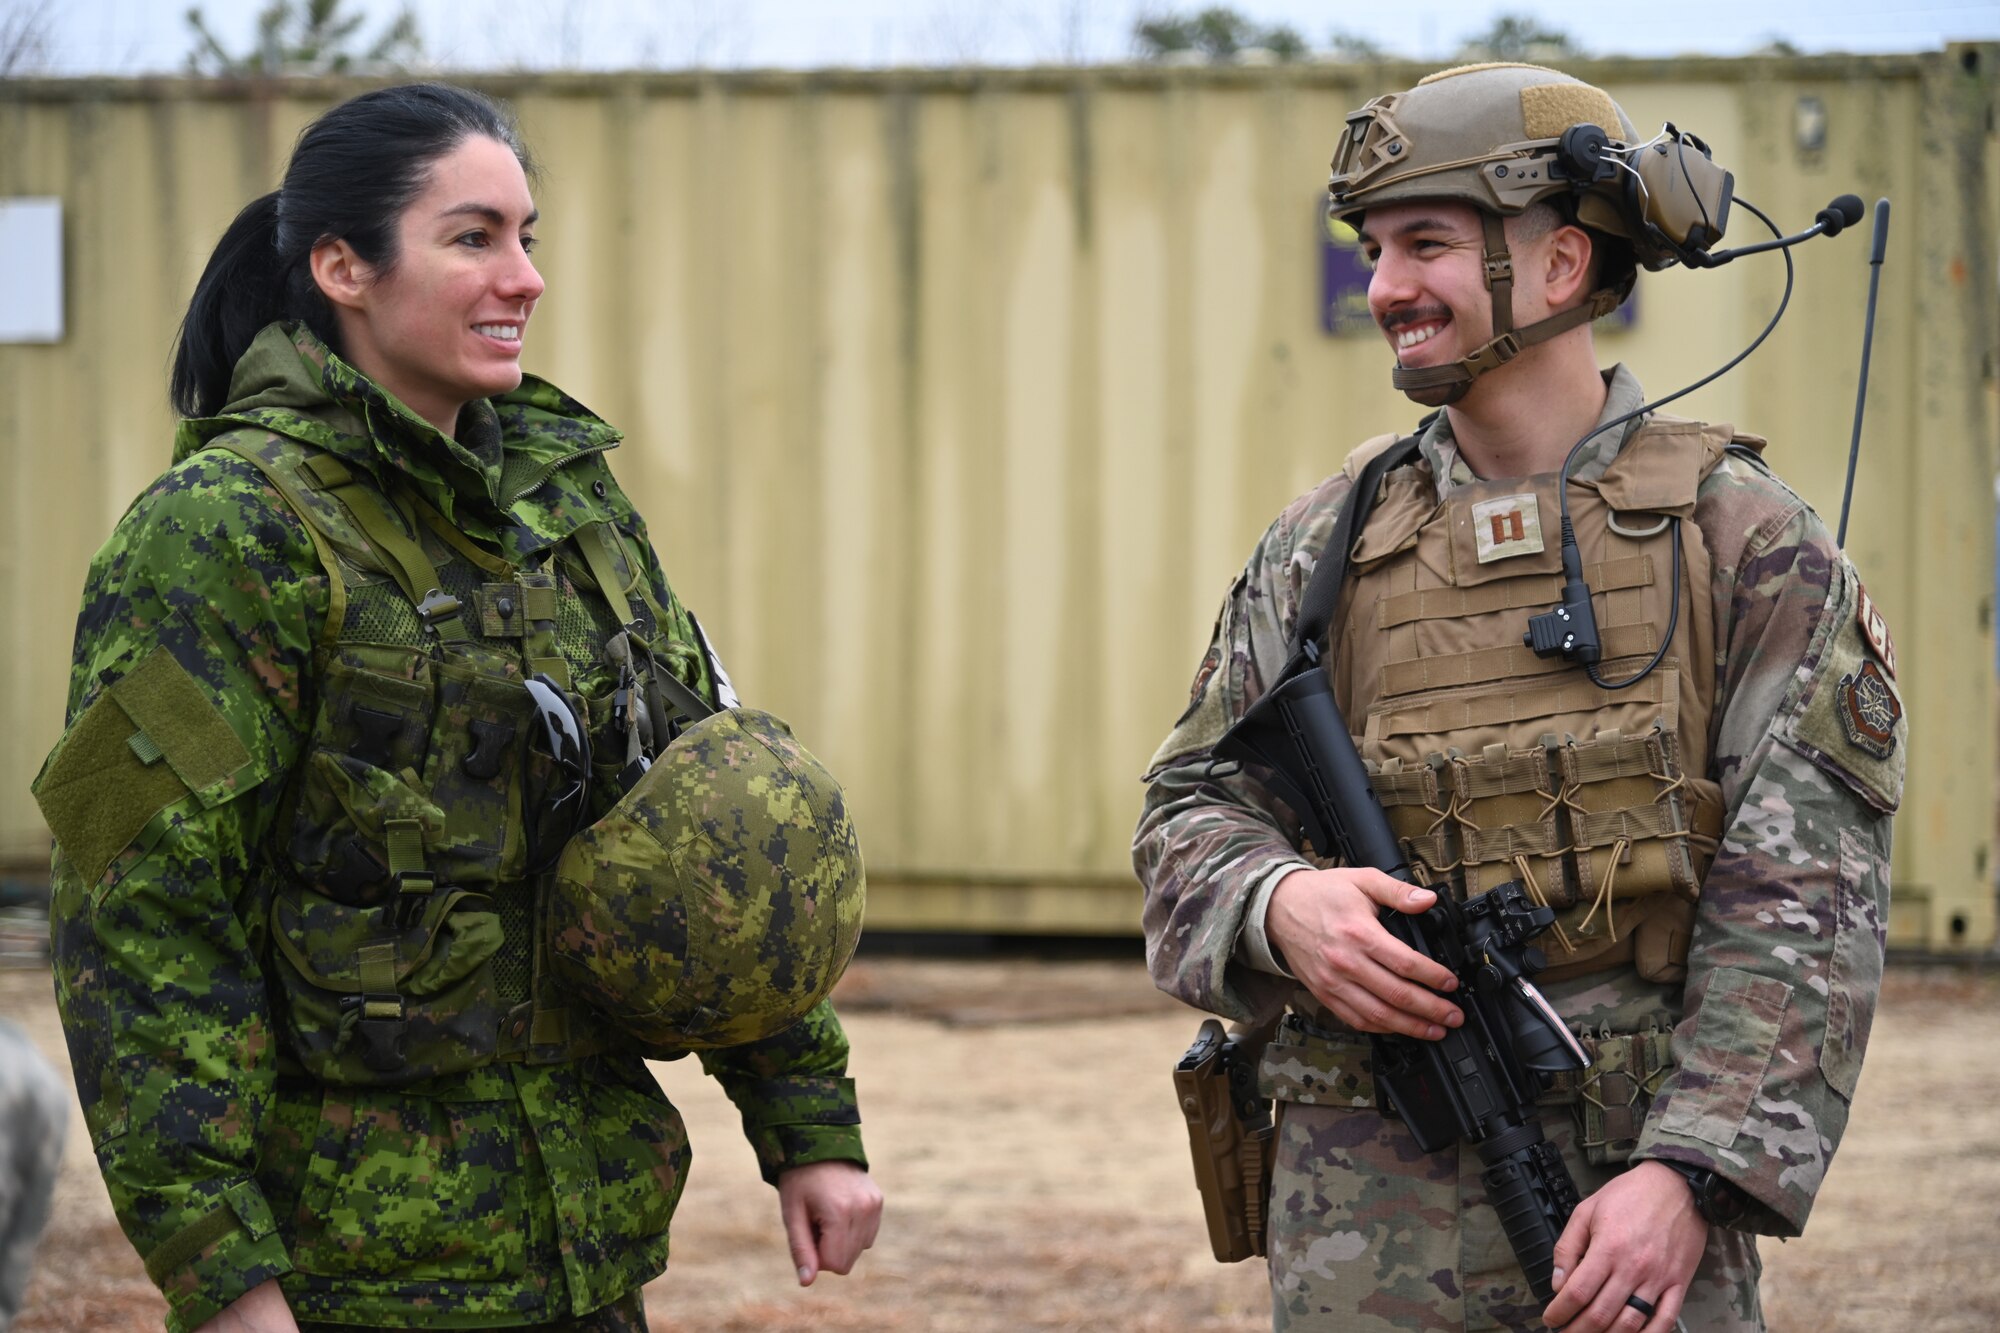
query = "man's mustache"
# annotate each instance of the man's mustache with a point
(1396, 319)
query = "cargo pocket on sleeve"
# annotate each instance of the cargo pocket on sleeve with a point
(1735, 1036)
(1855, 972)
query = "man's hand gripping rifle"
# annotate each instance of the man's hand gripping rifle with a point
(1479, 1081)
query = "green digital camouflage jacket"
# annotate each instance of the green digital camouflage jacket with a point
(508, 1194)
(1769, 1027)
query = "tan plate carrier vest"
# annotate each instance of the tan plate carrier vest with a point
(403, 932)
(1494, 764)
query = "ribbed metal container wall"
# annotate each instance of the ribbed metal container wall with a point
(956, 399)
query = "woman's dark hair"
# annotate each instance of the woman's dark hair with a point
(352, 173)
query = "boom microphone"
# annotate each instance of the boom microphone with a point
(1842, 212)
(1830, 221)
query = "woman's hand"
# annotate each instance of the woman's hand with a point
(831, 1210)
(262, 1309)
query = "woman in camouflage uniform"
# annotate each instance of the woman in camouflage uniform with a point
(300, 847)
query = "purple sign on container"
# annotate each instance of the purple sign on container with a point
(1343, 284)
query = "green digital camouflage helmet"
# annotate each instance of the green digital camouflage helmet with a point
(720, 899)
(1503, 137)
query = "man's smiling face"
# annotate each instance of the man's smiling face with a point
(1428, 292)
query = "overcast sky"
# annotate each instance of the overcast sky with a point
(136, 36)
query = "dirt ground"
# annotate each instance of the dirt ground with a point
(1021, 1125)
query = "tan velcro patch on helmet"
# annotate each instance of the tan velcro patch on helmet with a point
(1547, 109)
(1457, 70)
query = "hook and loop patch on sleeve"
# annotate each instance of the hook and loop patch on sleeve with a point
(152, 738)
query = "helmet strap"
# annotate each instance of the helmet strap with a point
(1436, 386)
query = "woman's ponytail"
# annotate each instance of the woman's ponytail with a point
(242, 289)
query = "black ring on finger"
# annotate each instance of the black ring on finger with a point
(1643, 1306)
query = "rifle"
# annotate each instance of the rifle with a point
(1479, 1081)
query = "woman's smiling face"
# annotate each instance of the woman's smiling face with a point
(444, 324)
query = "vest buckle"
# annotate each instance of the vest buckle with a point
(413, 893)
(437, 605)
(380, 1022)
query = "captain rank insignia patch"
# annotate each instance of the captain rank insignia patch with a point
(1506, 525)
(1869, 710)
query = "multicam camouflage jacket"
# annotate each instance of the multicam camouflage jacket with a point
(472, 1191)
(1769, 1025)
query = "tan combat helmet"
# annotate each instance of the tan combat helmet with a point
(1502, 137)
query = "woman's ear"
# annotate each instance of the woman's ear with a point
(342, 274)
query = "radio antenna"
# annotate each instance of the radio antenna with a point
(1879, 243)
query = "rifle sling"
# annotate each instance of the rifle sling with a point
(1322, 595)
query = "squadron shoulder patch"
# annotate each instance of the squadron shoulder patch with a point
(1849, 718)
(1876, 630)
(1869, 710)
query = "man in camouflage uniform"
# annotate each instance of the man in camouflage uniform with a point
(1714, 839)
(307, 1003)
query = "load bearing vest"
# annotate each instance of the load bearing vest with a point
(1494, 764)
(404, 934)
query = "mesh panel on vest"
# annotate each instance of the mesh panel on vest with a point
(379, 613)
(513, 964)
(583, 625)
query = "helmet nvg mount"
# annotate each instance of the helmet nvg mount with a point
(720, 899)
(1503, 137)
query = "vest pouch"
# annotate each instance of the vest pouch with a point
(472, 773)
(1418, 807)
(607, 754)
(1491, 816)
(1660, 941)
(367, 1003)
(1505, 807)
(347, 812)
(1627, 805)
(360, 774)
(1610, 1097)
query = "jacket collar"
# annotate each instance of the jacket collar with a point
(490, 481)
(1622, 395)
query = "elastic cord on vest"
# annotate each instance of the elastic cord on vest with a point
(1572, 561)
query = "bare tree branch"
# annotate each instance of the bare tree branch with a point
(24, 36)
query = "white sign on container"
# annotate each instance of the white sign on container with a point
(31, 271)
